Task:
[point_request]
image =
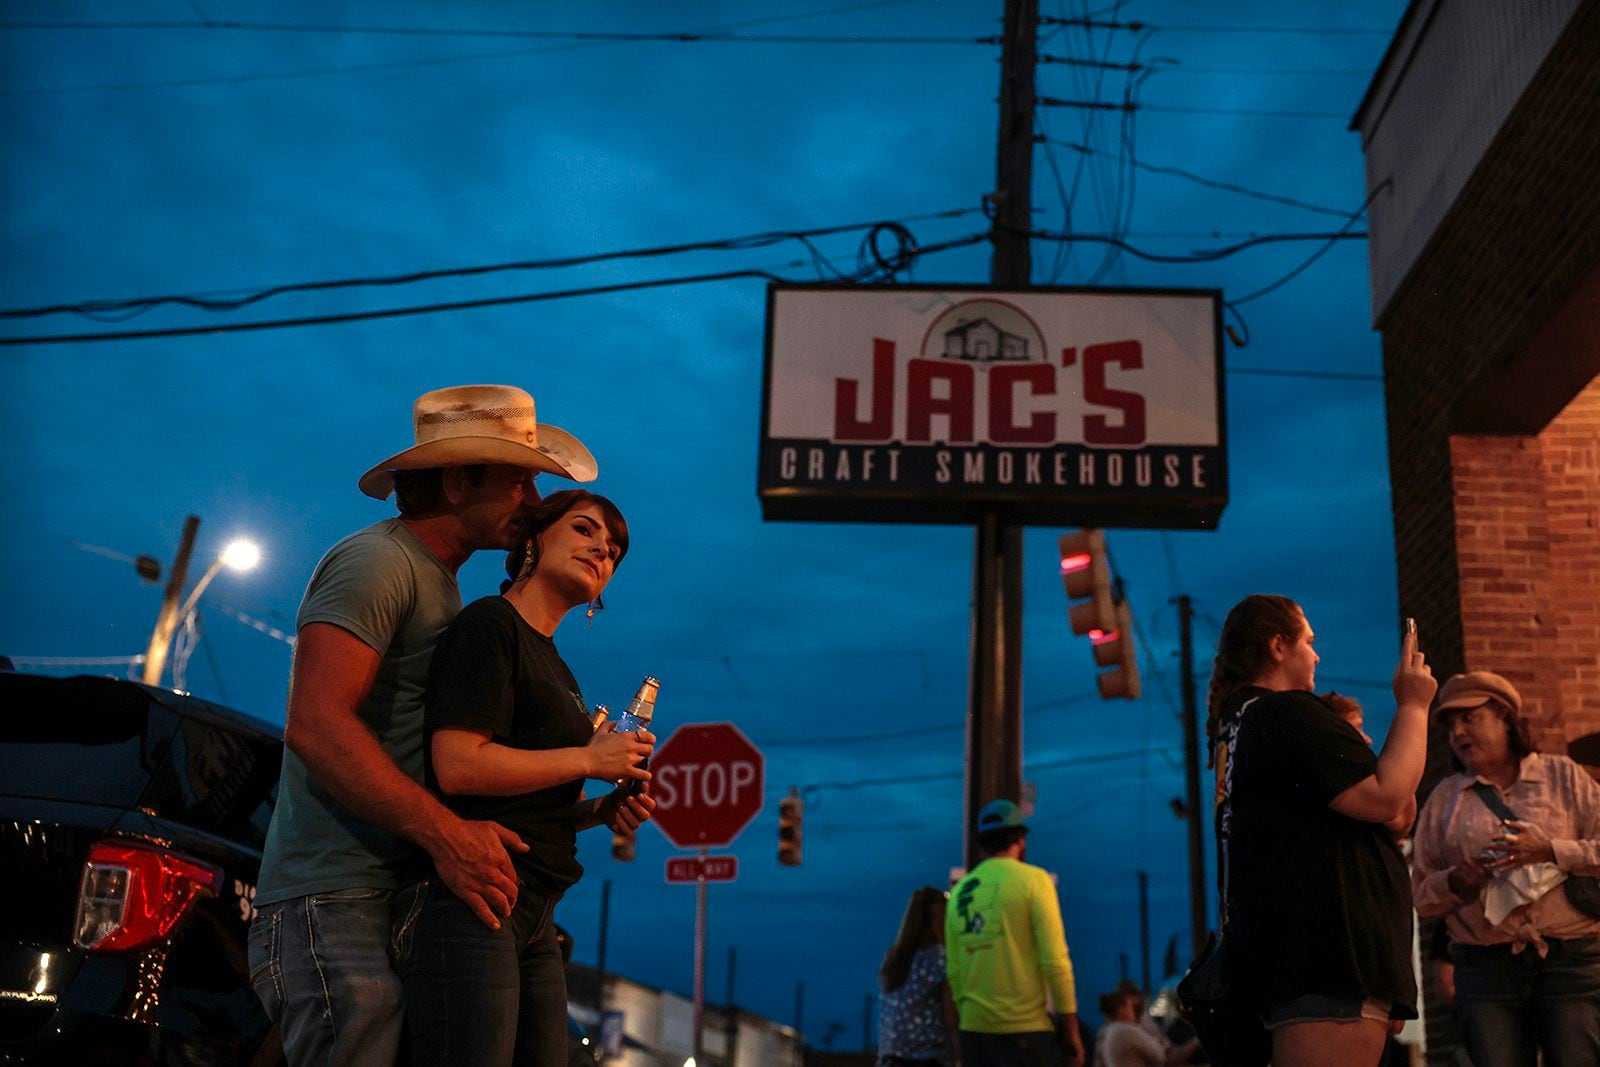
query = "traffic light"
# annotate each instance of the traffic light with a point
(1086, 574)
(622, 846)
(1116, 650)
(791, 810)
(1103, 615)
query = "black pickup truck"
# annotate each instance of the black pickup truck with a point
(131, 825)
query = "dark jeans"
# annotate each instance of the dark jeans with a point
(1512, 1006)
(1033, 1049)
(480, 996)
(321, 967)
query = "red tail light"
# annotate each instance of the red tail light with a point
(133, 895)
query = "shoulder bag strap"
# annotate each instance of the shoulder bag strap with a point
(1493, 800)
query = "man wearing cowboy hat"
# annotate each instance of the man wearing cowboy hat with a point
(350, 810)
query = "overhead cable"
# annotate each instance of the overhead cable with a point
(1034, 765)
(214, 303)
(410, 64)
(428, 309)
(1137, 26)
(1103, 105)
(680, 37)
(1332, 240)
(1212, 183)
(1202, 256)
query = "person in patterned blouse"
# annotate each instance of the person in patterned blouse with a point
(916, 1024)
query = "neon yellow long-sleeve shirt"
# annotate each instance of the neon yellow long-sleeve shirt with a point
(1005, 949)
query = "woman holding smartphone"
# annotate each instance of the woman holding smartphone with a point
(1501, 846)
(1318, 904)
(509, 738)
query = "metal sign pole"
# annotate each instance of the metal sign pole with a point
(699, 957)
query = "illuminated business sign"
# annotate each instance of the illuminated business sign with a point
(1086, 407)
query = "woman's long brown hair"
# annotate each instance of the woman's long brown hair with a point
(1244, 651)
(921, 926)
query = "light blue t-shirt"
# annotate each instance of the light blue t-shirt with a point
(385, 587)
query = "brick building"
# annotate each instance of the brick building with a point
(1481, 131)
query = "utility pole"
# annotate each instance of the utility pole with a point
(731, 1043)
(994, 717)
(1144, 932)
(155, 656)
(1198, 926)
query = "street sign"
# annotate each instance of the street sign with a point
(707, 780)
(687, 869)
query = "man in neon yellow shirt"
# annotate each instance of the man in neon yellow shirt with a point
(1006, 951)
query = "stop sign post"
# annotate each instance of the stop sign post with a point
(707, 780)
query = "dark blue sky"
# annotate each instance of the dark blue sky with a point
(203, 160)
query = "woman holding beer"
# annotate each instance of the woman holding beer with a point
(508, 738)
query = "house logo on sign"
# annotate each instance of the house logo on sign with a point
(985, 331)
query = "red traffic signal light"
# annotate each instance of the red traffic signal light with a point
(1116, 650)
(1086, 574)
(791, 811)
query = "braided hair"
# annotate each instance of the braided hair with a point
(1244, 652)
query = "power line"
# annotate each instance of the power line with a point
(1205, 256)
(1129, 106)
(1318, 254)
(939, 776)
(579, 36)
(1212, 183)
(1137, 26)
(428, 309)
(1093, 64)
(919, 731)
(760, 240)
(437, 61)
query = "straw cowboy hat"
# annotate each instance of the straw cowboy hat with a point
(467, 424)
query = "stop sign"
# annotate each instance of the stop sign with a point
(708, 781)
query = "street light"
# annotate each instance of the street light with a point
(239, 555)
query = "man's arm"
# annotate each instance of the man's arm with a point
(333, 673)
(1055, 965)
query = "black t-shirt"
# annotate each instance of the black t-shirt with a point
(1317, 902)
(492, 671)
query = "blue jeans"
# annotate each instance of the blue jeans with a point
(321, 966)
(1512, 1006)
(490, 998)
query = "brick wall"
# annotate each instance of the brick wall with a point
(1571, 455)
(1527, 513)
(1496, 331)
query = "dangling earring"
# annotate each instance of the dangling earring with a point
(590, 613)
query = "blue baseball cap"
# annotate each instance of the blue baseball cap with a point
(1000, 815)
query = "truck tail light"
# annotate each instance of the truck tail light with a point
(133, 895)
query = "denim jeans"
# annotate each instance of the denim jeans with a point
(1512, 1006)
(321, 966)
(478, 996)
